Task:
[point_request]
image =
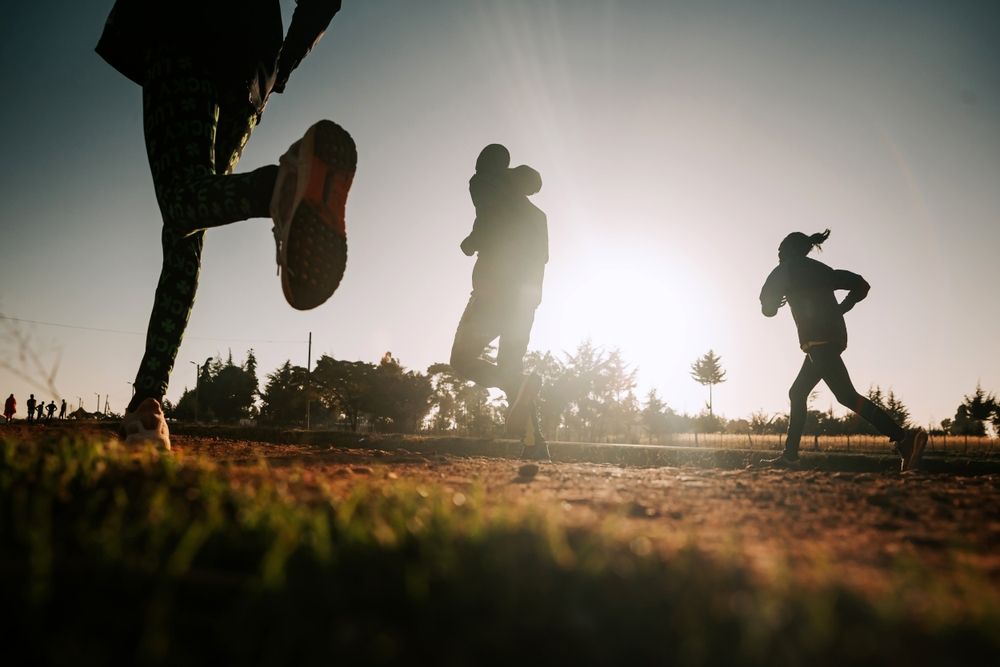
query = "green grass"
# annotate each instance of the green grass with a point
(111, 555)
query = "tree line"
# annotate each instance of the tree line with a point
(588, 394)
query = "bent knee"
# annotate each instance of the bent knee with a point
(796, 395)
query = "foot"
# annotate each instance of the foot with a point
(520, 412)
(147, 424)
(535, 448)
(308, 208)
(911, 448)
(786, 460)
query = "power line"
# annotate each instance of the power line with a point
(139, 333)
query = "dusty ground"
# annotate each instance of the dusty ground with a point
(860, 528)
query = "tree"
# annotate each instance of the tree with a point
(284, 396)
(597, 389)
(707, 370)
(461, 405)
(974, 412)
(892, 406)
(344, 387)
(399, 398)
(654, 418)
(224, 391)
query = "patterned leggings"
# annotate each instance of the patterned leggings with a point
(195, 136)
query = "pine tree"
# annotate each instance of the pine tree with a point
(707, 370)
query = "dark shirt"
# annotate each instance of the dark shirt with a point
(241, 42)
(809, 286)
(512, 257)
(490, 192)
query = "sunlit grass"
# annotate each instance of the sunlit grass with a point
(115, 555)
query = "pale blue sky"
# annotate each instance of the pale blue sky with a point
(678, 142)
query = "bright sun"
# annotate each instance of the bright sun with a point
(634, 301)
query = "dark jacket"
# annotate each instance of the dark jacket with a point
(809, 287)
(512, 257)
(240, 42)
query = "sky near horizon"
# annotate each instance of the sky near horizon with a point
(678, 143)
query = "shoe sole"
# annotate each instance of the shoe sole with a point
(518, 414)
(919, 444)
(314, 249)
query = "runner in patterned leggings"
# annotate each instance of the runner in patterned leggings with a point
(206, 71)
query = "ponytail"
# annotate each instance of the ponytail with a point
(798, 244)
(817, 239)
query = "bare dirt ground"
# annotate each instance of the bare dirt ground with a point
(799, 527)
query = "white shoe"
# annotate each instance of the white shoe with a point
(147, 424)
(308, 208)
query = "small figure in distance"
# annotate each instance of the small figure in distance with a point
(30, 404)
(62, 409)
(206, 70)
(40, 411)
(808, 287)
(510, 235)
(51, 409)
(9, 408)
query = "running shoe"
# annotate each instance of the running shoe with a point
(147, 424)
(308, 208)
(519, 416)
(786, 460)
(534, 447)
(911, 448)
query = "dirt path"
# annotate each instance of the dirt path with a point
(804, 526)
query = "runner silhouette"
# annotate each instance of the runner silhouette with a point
(510, 236)
(207, 70)
(808, 287)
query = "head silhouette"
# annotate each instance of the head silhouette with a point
(525, 180)
(493, 158)
(798, 244)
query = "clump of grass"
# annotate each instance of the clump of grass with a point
(111, 555)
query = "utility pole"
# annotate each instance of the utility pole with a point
(308, 372)
(98, 395)
(197, 382)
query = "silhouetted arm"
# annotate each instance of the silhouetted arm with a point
(309, 22)
(856, 285)
(772, 295)
(469, 245)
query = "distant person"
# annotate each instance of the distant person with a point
(30, 403)
(9, 408)
(809, 286)
(510, 236)
(62, 409)
(206, 71)
(51, 409)
(40, 411)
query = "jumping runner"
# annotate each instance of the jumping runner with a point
(510, 236)
(809, 286)
(206, 71)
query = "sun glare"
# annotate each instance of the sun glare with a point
(634, 301)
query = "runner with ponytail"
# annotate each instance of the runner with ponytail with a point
(809, 288)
